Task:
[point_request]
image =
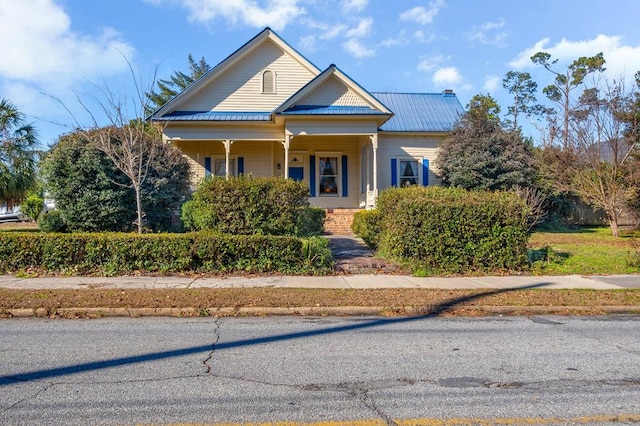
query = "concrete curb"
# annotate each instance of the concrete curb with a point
(315, 311)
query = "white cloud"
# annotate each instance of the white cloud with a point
(354, 5)
(423, 38)
(493, 25)
(491, 84)
(45, 50)
(362, 30)
(487, 34)
(357, 49)
(421, 15)
(333, 31)
(307, 43)
(276, 14)
(428, 63)
(621, 59)
(446, 77)
(400, 40)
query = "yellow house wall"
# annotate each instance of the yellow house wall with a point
(416, 146)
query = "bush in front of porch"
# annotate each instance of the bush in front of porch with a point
(252, 206)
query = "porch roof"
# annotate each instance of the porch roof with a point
(421, 112)
(215, 116)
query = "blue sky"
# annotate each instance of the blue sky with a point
(55, 52)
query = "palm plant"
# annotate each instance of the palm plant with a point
(18, 143)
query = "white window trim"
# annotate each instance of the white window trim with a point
(275, 81)
(338, 156)
(233, 162)
(399, 171)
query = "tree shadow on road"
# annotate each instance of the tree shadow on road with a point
(430, 312)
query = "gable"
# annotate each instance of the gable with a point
(333, 93)
(239, 88)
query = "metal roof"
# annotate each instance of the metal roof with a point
(420, 112)
(331, 110)
(214, 116)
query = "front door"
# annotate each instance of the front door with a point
(296, 173)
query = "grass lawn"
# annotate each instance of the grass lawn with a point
(587, 251)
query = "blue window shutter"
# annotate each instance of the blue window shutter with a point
(240, 166)
(312, 175)
(345, 177)
(394, 172)
(425, 172)
(207, 166)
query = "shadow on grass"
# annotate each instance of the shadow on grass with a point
(430, 312)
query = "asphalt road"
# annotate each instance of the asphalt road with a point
(163, 370)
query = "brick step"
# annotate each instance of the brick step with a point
(338, 221)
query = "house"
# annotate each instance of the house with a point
(267, 111)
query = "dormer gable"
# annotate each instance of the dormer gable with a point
(334, 93)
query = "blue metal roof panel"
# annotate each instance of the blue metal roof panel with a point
(330, 110)
(215, 116)
(420, 112)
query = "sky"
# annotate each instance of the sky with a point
(59, 56)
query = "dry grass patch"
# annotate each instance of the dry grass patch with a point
(393, 301)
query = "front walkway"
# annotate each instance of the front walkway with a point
(353, 256)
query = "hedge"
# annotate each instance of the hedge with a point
(111, 254)
(252, 205)
(449, 230)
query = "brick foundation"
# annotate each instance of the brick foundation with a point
(338, 221)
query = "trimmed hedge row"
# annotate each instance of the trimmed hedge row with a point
(111, 254)
(449, 230)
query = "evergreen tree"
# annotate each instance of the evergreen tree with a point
(480, 154)
(179, 81)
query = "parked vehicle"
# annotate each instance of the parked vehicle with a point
(11, 214)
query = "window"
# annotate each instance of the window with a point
(268, 82)
(408, 173)
(219, 167)
(328, 176)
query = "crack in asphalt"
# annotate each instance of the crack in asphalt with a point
(216, 334)
(35, 395)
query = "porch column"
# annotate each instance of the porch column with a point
(227, 151)
(286, 144)
(374, 143)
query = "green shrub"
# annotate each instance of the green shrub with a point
(310, 221)
(117, 253)
(450, 230)
(52, 221)
(367, 224)
(32, 206)
(246, 206)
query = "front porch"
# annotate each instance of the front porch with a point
(340, 170)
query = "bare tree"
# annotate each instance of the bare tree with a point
(127, 139)
(599, 163)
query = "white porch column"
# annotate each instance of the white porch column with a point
(227, 151)
(286, 144)
(374, 143)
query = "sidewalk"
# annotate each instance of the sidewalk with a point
(336, 281)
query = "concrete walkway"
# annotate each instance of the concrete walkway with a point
(337, 281)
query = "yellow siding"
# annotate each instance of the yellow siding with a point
(221, 131)
(409, 146)
(333, 93)
(240, 87)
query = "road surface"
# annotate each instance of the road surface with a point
(379, 371)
